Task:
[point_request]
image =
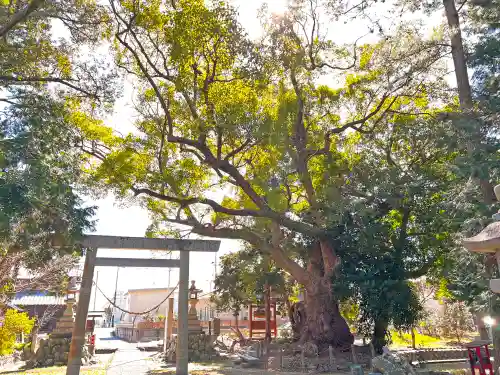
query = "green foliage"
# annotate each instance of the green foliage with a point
(404, 340)
(242, 278)
(13, 323)
(39, 169)
(400, 227)
(45, 47)
(161, 318)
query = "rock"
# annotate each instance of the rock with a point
(310, 349)
(392, 364)
(48, 362)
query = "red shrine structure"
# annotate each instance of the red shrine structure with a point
(479, 357)
(257, 315)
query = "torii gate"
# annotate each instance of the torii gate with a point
(93, 242)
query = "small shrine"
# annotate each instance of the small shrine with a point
(194, 324)
(257, 314)
(64, 325)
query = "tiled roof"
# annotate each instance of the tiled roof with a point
(37, 299)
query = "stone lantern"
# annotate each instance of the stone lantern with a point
(64, 325)
(194, 325)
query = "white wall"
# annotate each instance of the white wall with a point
(142, 300)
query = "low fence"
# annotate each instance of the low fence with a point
(150, 331)
(434, 355)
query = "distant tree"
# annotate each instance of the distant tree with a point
(456, 321)
(42, 74)
(242, 279)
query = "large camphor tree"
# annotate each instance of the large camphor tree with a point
(249, 140)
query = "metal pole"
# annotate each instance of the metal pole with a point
(182, 320)
(215, 269)
(95, 291)
(169, 270)
(78, 335)
(114, 298)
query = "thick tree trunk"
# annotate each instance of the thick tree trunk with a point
(321, 320)
(458, 54)
(379, 339)
(324, 324)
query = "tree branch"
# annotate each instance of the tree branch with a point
(20, 16)
(47, 79)
(262, 213)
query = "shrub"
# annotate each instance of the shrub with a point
(161, 318)
(19, 346)
(14, 323)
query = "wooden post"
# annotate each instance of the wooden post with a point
(216, 326)
(251, 321)
(169, 323)
(182, 321)
(78, 336)
(330, 357)
(165, 331)
(267, 307)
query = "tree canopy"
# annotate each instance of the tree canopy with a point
(336, 160)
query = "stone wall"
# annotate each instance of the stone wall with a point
(135, 334)
(200, 348)
(50, 352)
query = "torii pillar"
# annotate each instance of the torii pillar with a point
(488, 241)
(94, 242)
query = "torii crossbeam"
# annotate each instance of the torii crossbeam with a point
(94, 242)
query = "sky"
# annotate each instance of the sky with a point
(115, 219)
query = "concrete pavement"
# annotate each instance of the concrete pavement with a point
(128, 359)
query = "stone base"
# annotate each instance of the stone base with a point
(200, 347)
(54, 350)
(61, 335)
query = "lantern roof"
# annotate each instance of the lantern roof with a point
(488, 240)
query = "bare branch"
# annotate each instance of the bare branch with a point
(65, 82)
